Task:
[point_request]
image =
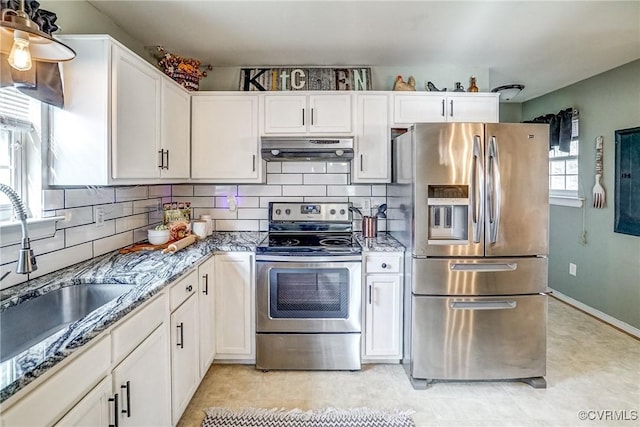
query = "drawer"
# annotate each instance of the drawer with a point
(136, 328)
(383, 263)
(183, 290)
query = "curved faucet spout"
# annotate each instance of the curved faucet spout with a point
(26, 258)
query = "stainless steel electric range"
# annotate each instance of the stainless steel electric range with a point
(308, 289)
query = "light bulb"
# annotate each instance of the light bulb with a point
(20, 57)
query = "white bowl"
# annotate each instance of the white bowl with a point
(158, 237)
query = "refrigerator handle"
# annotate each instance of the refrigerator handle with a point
(483, 305)
(477, 209)
(483, 268)
(495, 192)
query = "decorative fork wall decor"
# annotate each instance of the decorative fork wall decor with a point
(599, 199)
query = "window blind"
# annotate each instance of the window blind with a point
(15, 110)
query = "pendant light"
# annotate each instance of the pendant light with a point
(23, 40)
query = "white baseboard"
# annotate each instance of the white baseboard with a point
(597, 314)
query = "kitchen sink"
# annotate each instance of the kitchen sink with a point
(28, 323)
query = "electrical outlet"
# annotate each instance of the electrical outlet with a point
(572, 269)
(99, 217)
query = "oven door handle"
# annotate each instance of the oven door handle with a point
(308, 258)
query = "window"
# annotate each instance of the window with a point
(563, 171)
(16, 118)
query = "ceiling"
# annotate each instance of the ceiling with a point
(544, 45)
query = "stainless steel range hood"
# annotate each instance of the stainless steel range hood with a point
(307, 148)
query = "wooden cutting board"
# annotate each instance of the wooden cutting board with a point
(145, 246)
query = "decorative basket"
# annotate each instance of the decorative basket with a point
(185, 71)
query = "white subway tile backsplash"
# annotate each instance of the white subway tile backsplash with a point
(274, 167)
(85, 233)
(259, 190)
(160, 191)
(223, 214)
(88, 196)
(181, 191)
(349, 190)
(125, 194)
(379, 190)
(264, 201)
(114, 210)
(143, 206)
(338, 167)
(241, 202)
(141, 233)
(253, 213)
(52, 199)
(74, 217)
(304, 190)
(131, 222)
(325, 178)
(284, 178)
(196, 202)
(53, 261)
(326, 199)
(236, 225)
(304, 167)
(112, 243)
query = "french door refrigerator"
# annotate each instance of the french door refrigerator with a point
(470, 202)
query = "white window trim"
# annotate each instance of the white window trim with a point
(568, 201)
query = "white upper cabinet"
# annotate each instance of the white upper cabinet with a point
(437, 107)
(329, 113)
(372, 156)
(224, 138)
(124, 122)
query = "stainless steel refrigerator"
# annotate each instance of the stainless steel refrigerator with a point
(470, 202)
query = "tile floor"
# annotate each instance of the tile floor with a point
(590, 367)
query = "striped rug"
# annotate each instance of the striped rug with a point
(329, 417)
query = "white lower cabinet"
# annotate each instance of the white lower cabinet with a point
(185, 370)
(93, 409)
(383, 307)
(140, 382)
(206, 311)
(235, 306)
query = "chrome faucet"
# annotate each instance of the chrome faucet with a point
(26, 258)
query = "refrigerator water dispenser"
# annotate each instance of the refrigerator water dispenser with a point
(448, 214)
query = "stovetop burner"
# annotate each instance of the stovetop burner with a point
(309, 229)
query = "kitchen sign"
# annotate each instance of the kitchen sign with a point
(287, 79)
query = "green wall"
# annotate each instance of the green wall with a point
(608, 264)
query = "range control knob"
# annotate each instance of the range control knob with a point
(342, 211)
(287, 211)
(278, 211)
(332, 211)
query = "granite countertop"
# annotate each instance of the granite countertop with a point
(381, 243)
(150, 271)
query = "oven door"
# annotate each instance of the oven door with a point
(308, 294)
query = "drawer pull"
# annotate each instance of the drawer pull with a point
(384, 265)
(206, 284)
(180, 327)
(127, 387)
(483, 305)
(114, 399)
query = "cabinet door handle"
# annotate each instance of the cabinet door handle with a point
(370, 291)
(361, 161)
(442, 107)
(167, 165)
(303, 117)
(384, 265)
(161, 152)
(189, 288)
(180, 328)
(127, 388)
(451, 108)
(206, 284)
(312, 116)
(115, 413)
(253, 167)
